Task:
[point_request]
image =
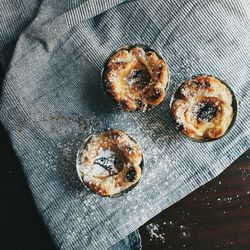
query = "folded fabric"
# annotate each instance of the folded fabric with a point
(52, 99)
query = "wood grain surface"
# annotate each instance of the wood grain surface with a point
(216, 216)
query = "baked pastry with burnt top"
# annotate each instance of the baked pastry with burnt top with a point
(136, 77)
(204, 108)
(110, 163)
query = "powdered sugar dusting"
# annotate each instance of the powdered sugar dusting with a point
(162, 231)
(154, 232)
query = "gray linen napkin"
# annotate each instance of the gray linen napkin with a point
(52, 99)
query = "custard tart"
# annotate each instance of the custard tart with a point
(204, 108)
(136, 77)
(110, 163)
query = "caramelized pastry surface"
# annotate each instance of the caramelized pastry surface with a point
(202, 108)
(136, 79)
(110, 163)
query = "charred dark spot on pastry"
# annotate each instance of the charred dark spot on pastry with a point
(205, 84)
(115, 135)
(123, 104)
(197, 83)
(139, 104)
(207, 111)
(155, 95)
(112, 93)
(137, 74)
(149, 106)
(131, 174)
(179, 126)
(139, 78)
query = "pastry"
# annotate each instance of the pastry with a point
(110, 163)
(203, 108)
(136, 77)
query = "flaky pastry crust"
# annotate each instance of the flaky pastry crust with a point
(202, 108)
(110, 163)
(136, 79)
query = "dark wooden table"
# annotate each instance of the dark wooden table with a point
(216, 216)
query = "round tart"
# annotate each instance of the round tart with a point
(136, 77)
(204, 108)
(110, 163)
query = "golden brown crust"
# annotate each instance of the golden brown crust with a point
(110, 163)
(202, 108)
(136, 79)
